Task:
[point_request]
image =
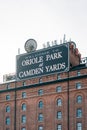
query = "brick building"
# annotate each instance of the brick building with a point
(56, 101)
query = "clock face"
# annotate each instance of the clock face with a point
(30, 45)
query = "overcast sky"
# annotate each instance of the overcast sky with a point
(42, 20)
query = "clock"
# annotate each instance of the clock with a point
(30, 45)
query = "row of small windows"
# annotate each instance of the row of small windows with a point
(41, 104)
(59, 114)
(41, 117)
(40, 80)
(41, 92)
(59, 126)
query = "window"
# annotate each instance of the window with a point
(59, 102)
(79, 112)
(40, 92)
(79, 99)
(58, 89)
(40, 117)
(40, 80)
(7, 97)
(24, 83)
(8, 86)
(59, 127)
(23, 119)
(8, 109)
(24, 107)
(79, 126)
(40, 128)
(78, 85)
(58, 76)
(40, 105)
(59, 115)
(78, 73)
(7, 121)
(23, 128)
(23, 94)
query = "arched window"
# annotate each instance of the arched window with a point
(40, 105)
(59, 102)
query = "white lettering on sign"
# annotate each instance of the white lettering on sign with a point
(31, 72)
(32, 61)
(55, 67)
(45, 62)
(53, 56)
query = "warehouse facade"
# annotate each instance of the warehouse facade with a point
(55, 101)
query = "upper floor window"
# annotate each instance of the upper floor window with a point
(24, 107)
(8, 86)
(40, 128)
(79, 126)
(23, 128)
(40, 92)
(79, 99)
(8, 109)
(59, 102)
(78, 85)
(58, 76)
(40, 105)
(79, 112)
(23, 94)
(40, 117)
(58, 89)
(7, 97)
(24, 83)
(23, 120)
(7, 120)
(59, 115)
(40, 80)
(59, 127)
(78, 73)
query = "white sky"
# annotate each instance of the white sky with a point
(42, 20)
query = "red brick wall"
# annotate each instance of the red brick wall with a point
(49, 99)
